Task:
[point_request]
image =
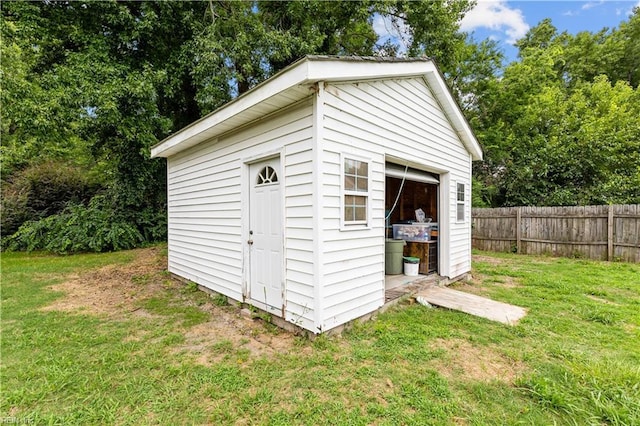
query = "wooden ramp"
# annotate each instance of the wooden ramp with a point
(471, 304)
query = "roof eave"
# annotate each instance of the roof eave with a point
(188, 136)
(312, 69)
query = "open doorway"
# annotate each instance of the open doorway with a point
(408, 190)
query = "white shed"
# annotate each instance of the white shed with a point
(279, 198)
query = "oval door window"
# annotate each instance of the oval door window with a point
(266, 176)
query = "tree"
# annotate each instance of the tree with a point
(556, 129)
(624, 64)
(35, 123)
(106, 78)
(243, 43)
(95, 84)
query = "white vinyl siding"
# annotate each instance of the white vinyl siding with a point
(204, 205)
(299, 236)
(333, 270)
(460, 237)
(374, 119)
(205, 208)
(353, 265)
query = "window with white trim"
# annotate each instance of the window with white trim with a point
(460, 203)
(355, 188)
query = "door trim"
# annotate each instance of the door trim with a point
(246, 183)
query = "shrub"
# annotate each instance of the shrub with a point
(43, 190)
(78, 228)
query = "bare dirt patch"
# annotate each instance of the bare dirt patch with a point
(230, 333)
(487, 259)
(509, 282)
(117, 292)
(480, 284)
(468, 362)
(473, 287)
(601, 300)
(113, 289)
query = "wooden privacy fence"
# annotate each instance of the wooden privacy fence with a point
(595, 232)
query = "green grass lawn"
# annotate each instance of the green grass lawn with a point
(111, 339)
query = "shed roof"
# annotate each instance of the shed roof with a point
(294, 83)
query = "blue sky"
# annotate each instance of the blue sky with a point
(507, 21)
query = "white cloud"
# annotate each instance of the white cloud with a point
(628, 12)
(381, 26)
(497, 16)
(592, 4)
(398, 33)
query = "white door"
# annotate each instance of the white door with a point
(265, 236)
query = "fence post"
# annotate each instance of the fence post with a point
(518, 229)
(610, 234)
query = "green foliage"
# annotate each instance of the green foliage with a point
(42, 190)
(240, 44)
(190, 287)
(220, 300)
(432, 28)
(480, 194)
(77, 229)
(97, 83)
(94, 85)
(575, 145)
(36, 125)
(560, 126)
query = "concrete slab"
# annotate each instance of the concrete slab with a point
(394, 281)
(472, 304)
(397, 286)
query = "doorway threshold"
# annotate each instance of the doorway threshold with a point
(397, 286)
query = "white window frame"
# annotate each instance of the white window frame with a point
(462, 202)
(355, 224)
